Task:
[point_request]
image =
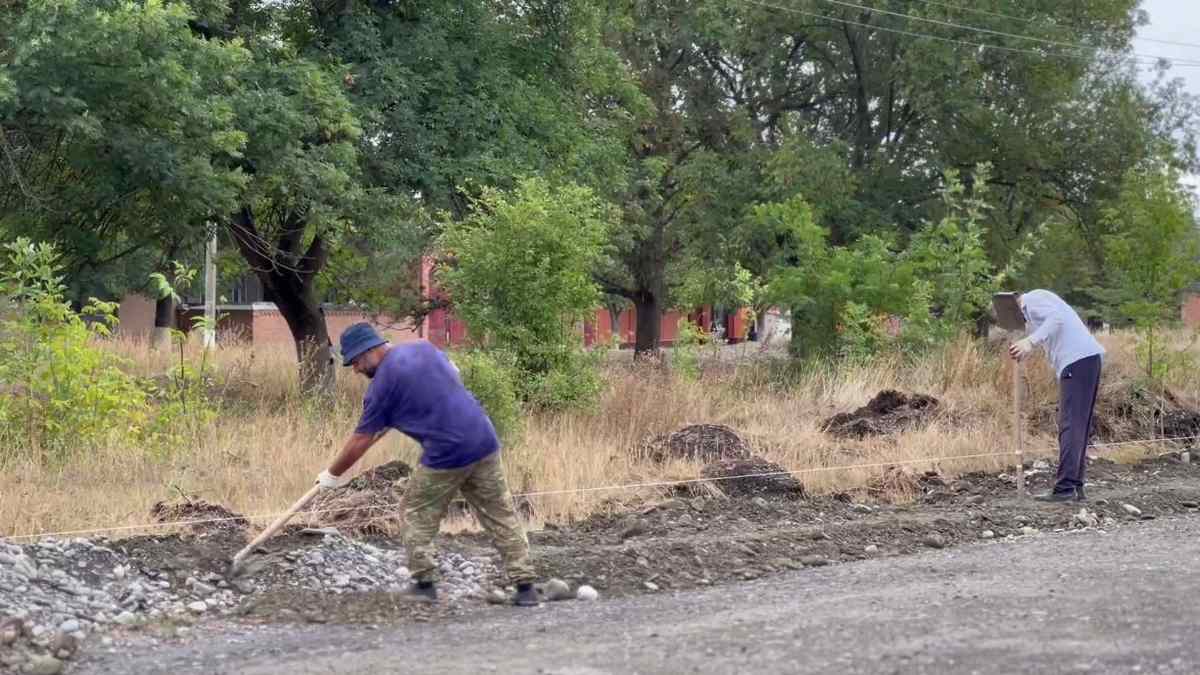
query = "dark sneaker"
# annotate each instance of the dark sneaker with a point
(527, 596)
(1073, 495)
(421, 591)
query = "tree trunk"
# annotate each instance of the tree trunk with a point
(614, 315)
(164, 321)
(649, 324)
(299, 307)
(291, 280)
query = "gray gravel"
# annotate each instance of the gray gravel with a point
(58, 596)
(1085, 601)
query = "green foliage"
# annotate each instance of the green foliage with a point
(1153, 253)
(65, 394)
(736, 287)
(862, 335)
(118, 128)
(493, 378)
(842, 296)
(573, 382)
(184, 403)
(182, 279)
(519, 274)
(686, 351)
(950, 253)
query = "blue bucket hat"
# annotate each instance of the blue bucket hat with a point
(358, 339)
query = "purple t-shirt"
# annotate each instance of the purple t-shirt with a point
(417, 392)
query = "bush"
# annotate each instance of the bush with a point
(64, 391)
(572, 382)
(492, 377)
(841, 295)
(519, 273)
(685, 353)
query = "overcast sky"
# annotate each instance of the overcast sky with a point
(1178, 21)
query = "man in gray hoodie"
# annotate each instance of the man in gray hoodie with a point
(1076, 357)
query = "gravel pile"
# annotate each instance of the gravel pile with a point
(341, 565)
(56, 595)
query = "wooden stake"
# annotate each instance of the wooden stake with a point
(1018, 445)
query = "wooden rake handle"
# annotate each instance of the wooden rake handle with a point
(275, 526)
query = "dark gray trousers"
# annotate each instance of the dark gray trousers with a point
(1077, 389)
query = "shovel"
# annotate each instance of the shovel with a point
(235, 565)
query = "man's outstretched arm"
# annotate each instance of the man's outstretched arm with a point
(355, 448)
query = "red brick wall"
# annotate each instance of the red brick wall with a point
(599, 330)
(136, 316)
(338, 320)
(1190, 312)
(262, 326)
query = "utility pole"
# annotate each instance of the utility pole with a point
(210, 290)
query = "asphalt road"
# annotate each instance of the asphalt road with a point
(1120, 602)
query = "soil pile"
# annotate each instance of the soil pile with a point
(888, 412)
(1130, 412)
(1134, 413)
(371, 503)
(698, 443)
(753, 477)
(199, 515)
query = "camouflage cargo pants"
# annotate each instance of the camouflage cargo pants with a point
(483, 485)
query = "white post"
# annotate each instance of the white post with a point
(210, 291)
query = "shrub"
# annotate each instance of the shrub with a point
(492, 377)
(685, 353)
(573, 382)
(65, 392)
(518, 271)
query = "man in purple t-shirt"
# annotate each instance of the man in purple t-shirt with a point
(416, 390)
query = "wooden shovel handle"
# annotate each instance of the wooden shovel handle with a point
(275, 526)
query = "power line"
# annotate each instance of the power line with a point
(989, 31)
(899, 31)
(984, 12)
(1031, 19)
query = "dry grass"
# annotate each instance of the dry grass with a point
(269, 443)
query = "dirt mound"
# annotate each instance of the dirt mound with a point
(1136, 413)
(698, 442)
(211, 517)
(384, 476)
(888, 412)
(370, 504)
(1129, 412)
(745, 477)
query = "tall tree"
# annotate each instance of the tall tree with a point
(108, 133)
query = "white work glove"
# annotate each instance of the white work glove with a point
(329, 481)
(1021, 348)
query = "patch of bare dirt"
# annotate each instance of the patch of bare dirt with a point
(370, 504)
(696, 539)
(887, 413)
(688, 542)
(698, 443)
